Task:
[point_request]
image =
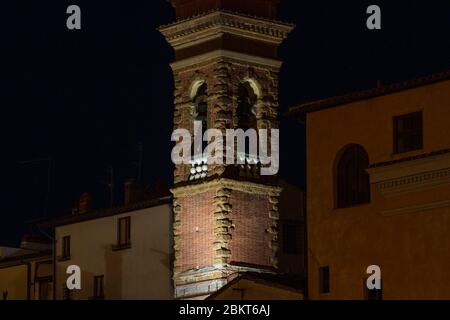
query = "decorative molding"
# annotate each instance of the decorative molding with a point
(216, 272)
(202, 27)
(213, 56)
(417, 208)
(244, 186)
(410, 176)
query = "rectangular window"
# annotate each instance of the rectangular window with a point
(124, 232)
(408, 132)
(98, 287)
(66, 247)
(324, 280)
(290, 238)
(44, 289)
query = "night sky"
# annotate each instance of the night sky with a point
(87, 99)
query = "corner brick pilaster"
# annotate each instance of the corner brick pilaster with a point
(222, 226)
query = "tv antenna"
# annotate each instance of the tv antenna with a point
(140, 160)
(110, 184)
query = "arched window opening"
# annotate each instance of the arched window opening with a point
(199, 168)
(246, 110)
(200, 102)
(246, 114)
(353, 183)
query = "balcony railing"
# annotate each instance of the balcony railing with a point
(249, 165)
(199, 168)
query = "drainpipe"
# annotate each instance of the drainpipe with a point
(28, 264)
(305, 246)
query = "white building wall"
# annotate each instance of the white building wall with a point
(141, 272)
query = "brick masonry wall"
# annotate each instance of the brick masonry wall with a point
(251, 230)
(223, 78)
(196, 245)
(250, 241)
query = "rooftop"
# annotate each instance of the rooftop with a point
(103, 213)
(301, 110)
(412, 158)
(20, 255)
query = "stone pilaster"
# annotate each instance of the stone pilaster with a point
(223, 226)
(273, 230)
(177, 237)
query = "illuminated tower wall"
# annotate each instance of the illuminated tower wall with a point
(226, 75)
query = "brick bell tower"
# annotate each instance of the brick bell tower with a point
(226, 75)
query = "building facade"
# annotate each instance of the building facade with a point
(26, 273)
(378, 182)
(226, 76)
(123, 253)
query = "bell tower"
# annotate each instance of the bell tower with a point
(226, 76)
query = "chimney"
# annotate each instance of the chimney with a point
(32, 242)
(134, 192)
(157, 190)
(85, 204)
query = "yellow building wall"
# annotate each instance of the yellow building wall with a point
(251, 290)
(411, 248)
(14, 280)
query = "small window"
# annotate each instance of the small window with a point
(44, 289)
(324, 280)
(408, 132)
(66, 247)
(291, 244)
(374, 294)
(124, 232)
(98, 287)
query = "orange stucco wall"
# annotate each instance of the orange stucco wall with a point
(411, 248)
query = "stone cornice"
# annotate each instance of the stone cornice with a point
(216, 273)
(417, 208)
(202, 28)
(244, 186)
(415, 175)
(213, 56)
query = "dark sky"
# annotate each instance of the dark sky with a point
(87, 98)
